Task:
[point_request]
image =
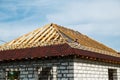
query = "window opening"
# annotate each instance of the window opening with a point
(112, 74)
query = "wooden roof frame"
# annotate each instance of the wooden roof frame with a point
(53, 34)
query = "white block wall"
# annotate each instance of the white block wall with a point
(65, 69)
(62, 67)
(93, 70)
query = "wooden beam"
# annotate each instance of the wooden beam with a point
(48, 35)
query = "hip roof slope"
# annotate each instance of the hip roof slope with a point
(53, 34)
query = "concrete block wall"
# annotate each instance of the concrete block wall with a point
(93, 70)
(62, 68)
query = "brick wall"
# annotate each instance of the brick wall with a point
(29, 70)
(62, 69)
(93, 70)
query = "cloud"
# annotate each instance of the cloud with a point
(98, 29)
(8, 33)
(99, 19)
(87, 12)
(96, 16)
(16, 10)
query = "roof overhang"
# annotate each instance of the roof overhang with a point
(54, 51)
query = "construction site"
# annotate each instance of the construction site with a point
(54, 52)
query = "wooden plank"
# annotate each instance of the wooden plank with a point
(38, 34)
(56, 38)
(24, 37)
(57, 29)
(48, 35)
(31, 36)
(51, 36)
(40, 37)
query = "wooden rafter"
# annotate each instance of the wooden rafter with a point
(52, 34)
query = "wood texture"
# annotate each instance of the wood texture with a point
(53, 34)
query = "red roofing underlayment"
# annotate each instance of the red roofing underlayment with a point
(51, 51)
